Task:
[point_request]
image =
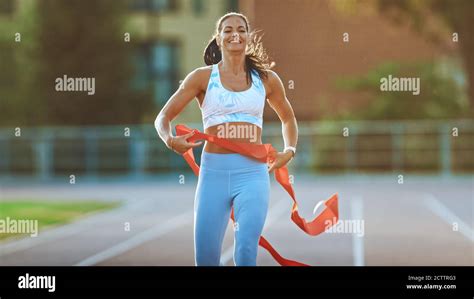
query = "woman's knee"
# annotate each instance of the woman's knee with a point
(206, 256)
(245, 255)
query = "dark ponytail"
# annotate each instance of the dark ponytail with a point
(256, 58)
(212, 54)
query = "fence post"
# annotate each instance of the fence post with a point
(91, 152)
(43, 154)
(310, 158)
(397, 131)
(445, 152)
(137, 154)
(351, 154)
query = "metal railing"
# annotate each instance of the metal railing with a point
(445, 148)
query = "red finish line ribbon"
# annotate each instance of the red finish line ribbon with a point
(265, 153)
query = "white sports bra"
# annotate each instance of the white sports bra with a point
(221, 105)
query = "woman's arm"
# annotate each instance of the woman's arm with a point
(279, 102)
(189, 89)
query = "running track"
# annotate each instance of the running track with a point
(404, 224)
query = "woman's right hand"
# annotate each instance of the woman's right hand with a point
(180, 145)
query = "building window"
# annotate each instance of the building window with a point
(157, 66)
(153, 5)
(7, 7)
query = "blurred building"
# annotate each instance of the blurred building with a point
(172, 36)
(305, 39)
(169, 37)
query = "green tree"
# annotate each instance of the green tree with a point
(457, 15)
(80, 39)
(17, 75)
(440, 96)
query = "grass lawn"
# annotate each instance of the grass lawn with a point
(49, 213)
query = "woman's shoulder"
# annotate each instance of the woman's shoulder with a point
(199, 76)
(202, 71)
(272, 80)
(272, 76)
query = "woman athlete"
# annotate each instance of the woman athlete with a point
(231, 92)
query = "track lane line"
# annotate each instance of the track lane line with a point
(135, 241)
(447, 215)
(357, 214)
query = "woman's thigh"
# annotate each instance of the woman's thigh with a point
(212, 208)
(251, 199)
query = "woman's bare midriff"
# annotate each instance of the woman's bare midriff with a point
(234, 131)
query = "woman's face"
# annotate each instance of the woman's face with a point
(233, 34)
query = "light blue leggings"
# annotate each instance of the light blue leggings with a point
(227, 180)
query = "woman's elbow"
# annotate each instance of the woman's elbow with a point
(160, 118)
(289, 119)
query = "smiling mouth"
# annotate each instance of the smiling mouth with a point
(235, 40)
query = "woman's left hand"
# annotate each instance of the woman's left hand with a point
(281, 159)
